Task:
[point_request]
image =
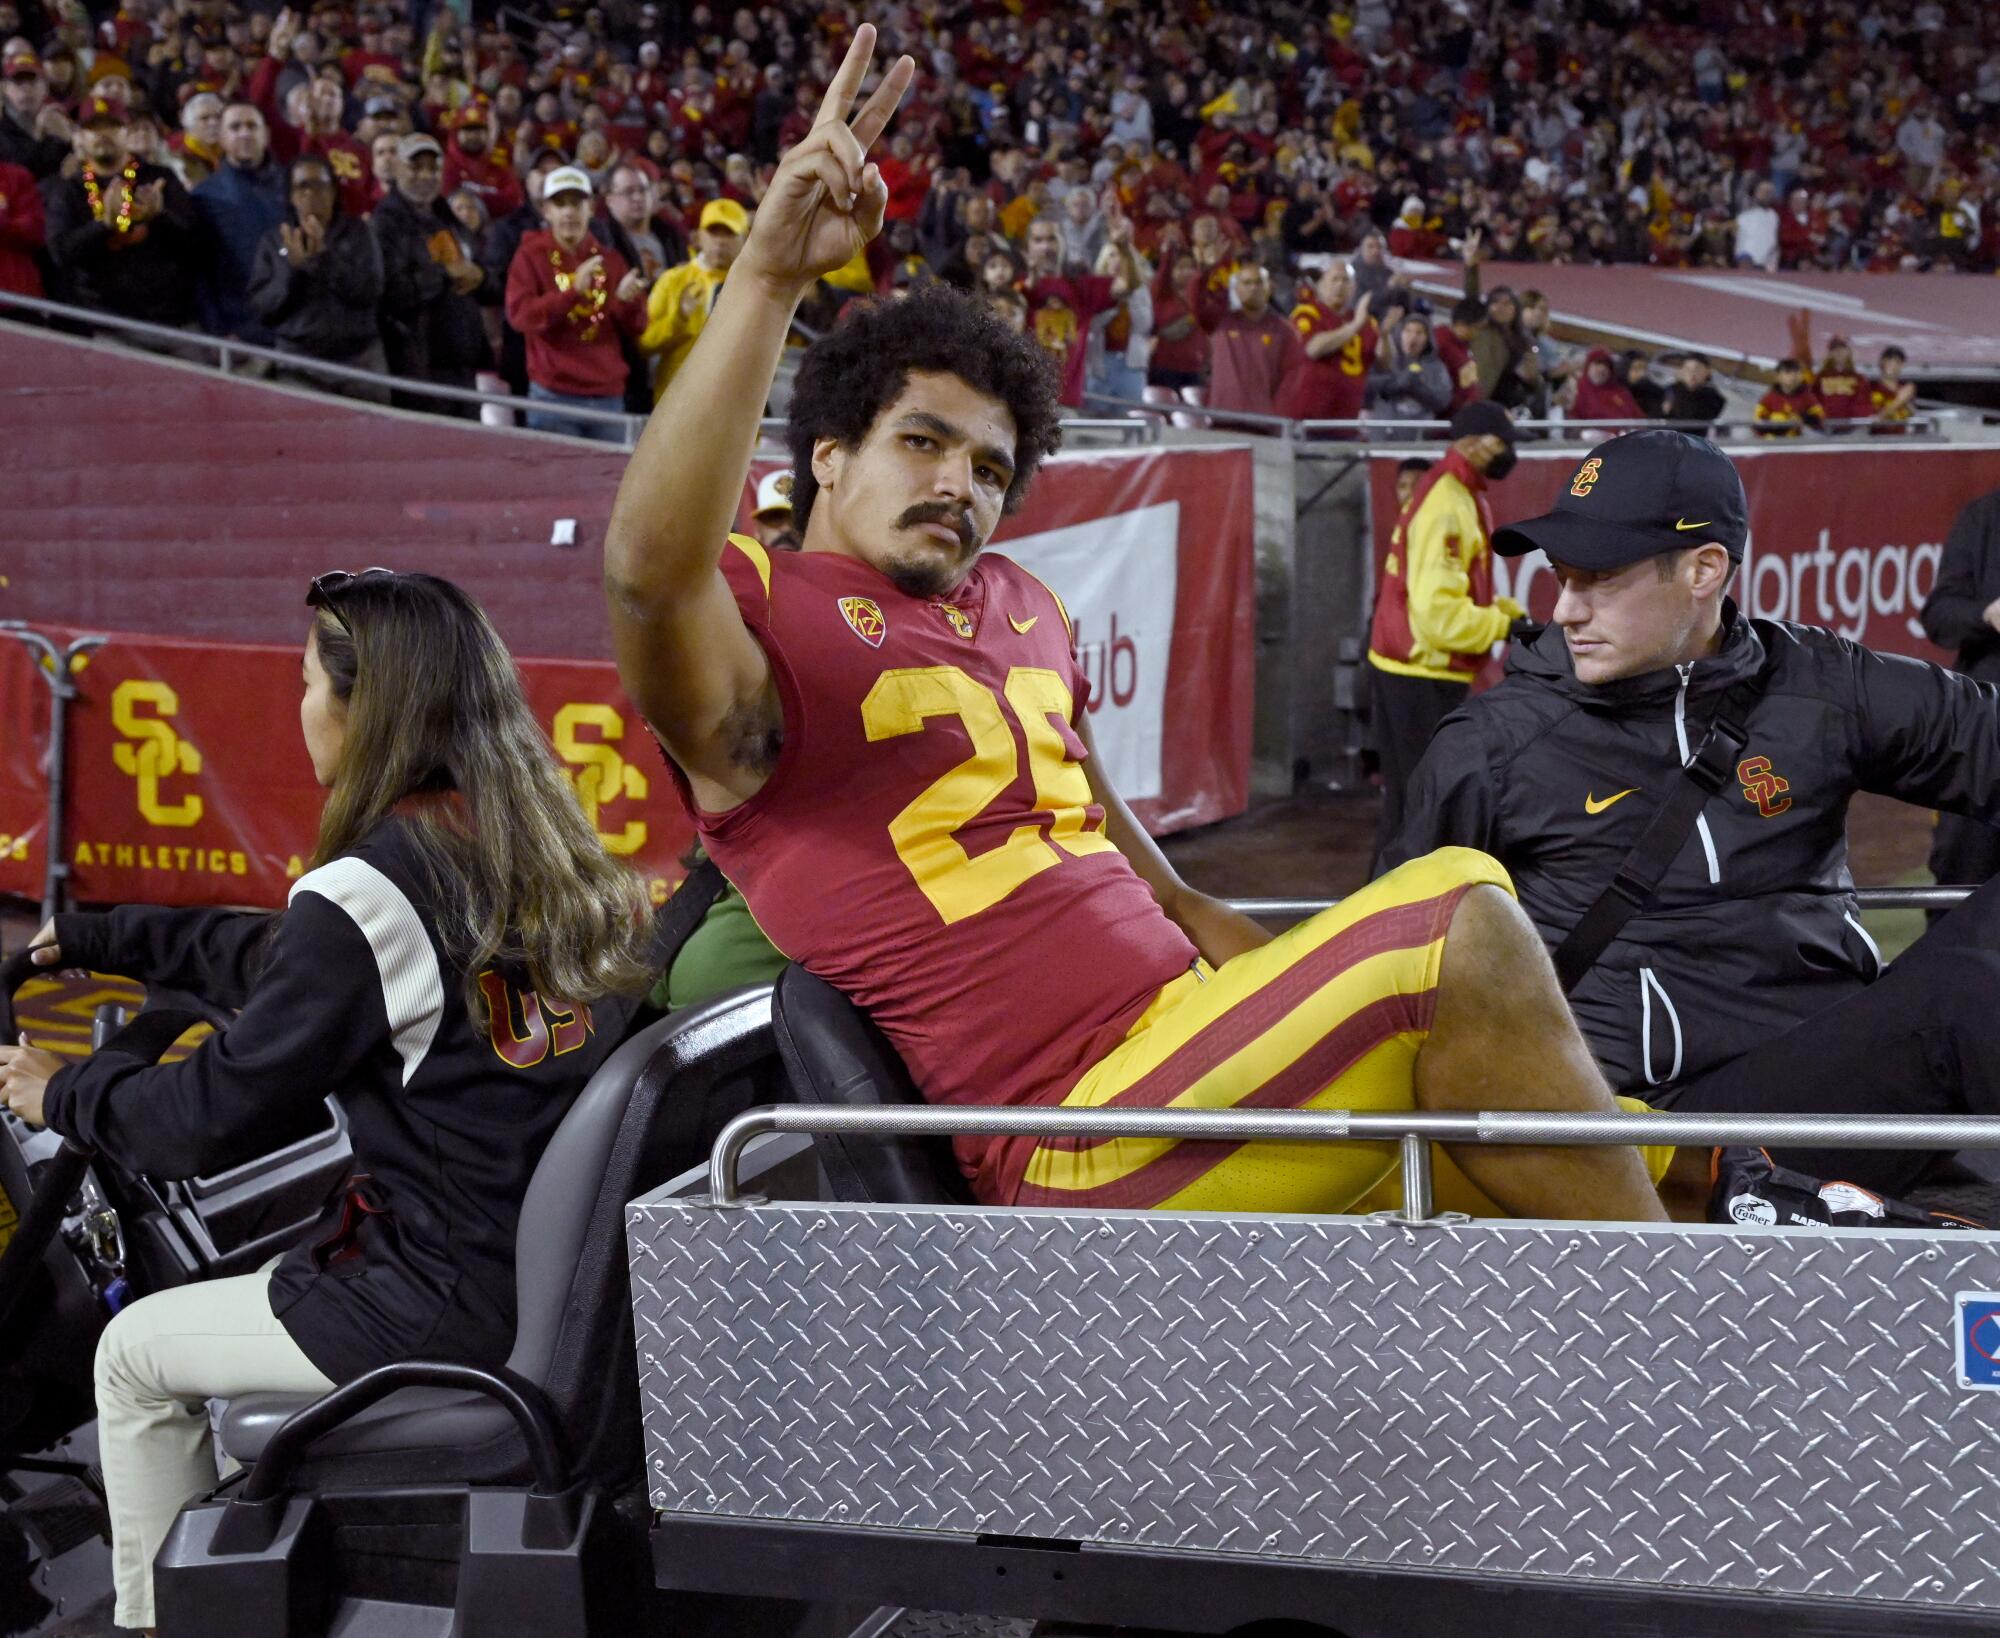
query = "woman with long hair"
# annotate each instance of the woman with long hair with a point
(454, 965)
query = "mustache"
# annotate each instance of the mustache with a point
(938, 512)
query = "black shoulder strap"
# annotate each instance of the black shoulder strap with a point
(682, 913)
(1706, 772)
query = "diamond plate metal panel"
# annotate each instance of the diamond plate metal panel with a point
(1709, 1408)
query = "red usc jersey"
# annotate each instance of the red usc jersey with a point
(1331, 388)
(927, 842)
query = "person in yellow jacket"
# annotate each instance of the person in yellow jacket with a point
(1435, 613)
(683, 295)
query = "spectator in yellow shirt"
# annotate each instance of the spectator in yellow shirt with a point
(683, 295)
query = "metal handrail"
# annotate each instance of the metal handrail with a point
(1415, 1132)
(1869, 898)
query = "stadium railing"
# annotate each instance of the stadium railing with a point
(1133, 421)
(1412, 1132)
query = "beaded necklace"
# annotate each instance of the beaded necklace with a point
(130, 177)
(588, 313)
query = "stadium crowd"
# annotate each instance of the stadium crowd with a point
(1151, 189)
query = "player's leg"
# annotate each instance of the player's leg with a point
(1502, 1038)
(1333, 1014)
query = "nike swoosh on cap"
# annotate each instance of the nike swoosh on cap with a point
(1592, 805)
(1703, 524)
(1023, 626)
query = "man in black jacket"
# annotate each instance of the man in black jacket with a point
(1746, 982)
(123, 235)
(1692, 401)
(1963, 612)
(430, 314)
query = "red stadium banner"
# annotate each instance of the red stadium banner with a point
(24, 802)
(189, 781)
(1842, 536)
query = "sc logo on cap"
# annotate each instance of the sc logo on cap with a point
(1586, 476)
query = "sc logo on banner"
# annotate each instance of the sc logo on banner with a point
(602, 776)
(152, 752)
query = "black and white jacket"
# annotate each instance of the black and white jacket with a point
(1754, 928)
(352, 993)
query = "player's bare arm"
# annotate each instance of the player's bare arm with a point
(684, 653)
(1214, 929)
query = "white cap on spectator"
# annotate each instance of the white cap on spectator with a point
(1414, 205)
(417, 143)
(774, 493)
(566, 179)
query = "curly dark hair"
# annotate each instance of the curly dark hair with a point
(860, 367)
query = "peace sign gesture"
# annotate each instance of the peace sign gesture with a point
(826, 201)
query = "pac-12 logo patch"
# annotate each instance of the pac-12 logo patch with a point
(1764, 787)
(865, 616)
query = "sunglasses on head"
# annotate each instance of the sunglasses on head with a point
(330, 585)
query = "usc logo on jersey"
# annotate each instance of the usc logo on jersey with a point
(1763, 786)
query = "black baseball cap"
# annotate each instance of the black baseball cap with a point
(1634, 497)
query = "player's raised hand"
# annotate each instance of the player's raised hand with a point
(827, 200)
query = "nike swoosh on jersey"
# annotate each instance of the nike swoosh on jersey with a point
(1592, 805)
(1023, 626)
(1685, 525)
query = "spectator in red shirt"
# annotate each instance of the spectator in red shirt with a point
(572, 298)
(471, 163)
(1180, 346)
(1893, 398)
(1802, 232)
(1062, 300)
(1252, 349)
(1340, 342)
(1845, 394)
(22, 230)
(1598, 395)
(1454, 350)
(1789, 407)
(1416, 232)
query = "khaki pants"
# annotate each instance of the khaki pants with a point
(158, 1364)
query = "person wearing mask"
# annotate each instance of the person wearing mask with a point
(1789, 406)
(240, 204)
(431, 323)
(1693, 403)
(455, 887)
(682, 296)
(1745, 982)
(317, 281)
(572, 298)
(1339, 343)
(35, 133)
(1252, 348)
(1436, 615)
(1963, 613)
(1408, 382)
(122, 233)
